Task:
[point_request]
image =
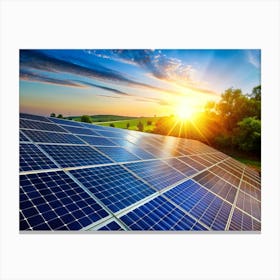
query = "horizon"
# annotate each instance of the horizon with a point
(117, 82)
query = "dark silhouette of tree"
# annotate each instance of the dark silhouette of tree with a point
(60, 116)
(112, 125)
(52, 115)
(149, 122)
(86, 119)
(127, 125)
(140, 126)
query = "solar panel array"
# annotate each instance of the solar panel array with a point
(78, 176)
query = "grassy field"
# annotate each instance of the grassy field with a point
(133, 123)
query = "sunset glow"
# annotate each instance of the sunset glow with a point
(131, 82)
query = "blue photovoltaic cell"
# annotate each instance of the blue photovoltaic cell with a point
(52, 137)
(40, 126)
(97, 141)
(112, 226)
(201, 204)
(53, 201)
(61, 121)
(80, 130)
(216, 185)
(120, 142)
(194, 164)
(156, 173)
(181, 166)
(67, 156)
(33, 117)
(118, 154)
(22, 137)
(31, 158)
(113, 185)
(110, 133)
(159, 214)
(139, 152)
(243, 222)
(249, 204)
(93, 126)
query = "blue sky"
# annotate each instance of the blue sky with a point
(131, 82)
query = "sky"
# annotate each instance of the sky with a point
(131, 82)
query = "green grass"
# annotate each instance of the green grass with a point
(133, 123)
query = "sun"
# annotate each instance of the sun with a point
(184, 111)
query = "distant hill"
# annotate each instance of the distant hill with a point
(104, 118)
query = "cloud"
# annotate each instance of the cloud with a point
(116, 91)
(33, 60)
(159, 101)
(29, 76)
(254, 58)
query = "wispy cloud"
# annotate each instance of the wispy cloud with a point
(35, 77)
(31, 60)
(254, 58)
(116, 91)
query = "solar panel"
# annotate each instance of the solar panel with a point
(52, 137)
(113, 185)
(33, 117)
(65, 122)
(242, 221)
(69, 156)
(216, 185)
(28, 124)
(97, 141)
(22, 137)
(156, 173)
(118, 154)
(79, 130)
(31, 158)
(112, 226)
(201, 204)
(159, 214)
(181, 166)
(53, 201)
(81, 176)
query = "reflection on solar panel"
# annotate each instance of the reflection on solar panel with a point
(118, 154)
(79, 176)
(79, 130)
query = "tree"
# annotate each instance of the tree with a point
(248, 135)
(256, 93)
(149, 122)
(140, 126)
(52, 115)
(60, 116)
(86, 119)
(112, 125)
(127, 125)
